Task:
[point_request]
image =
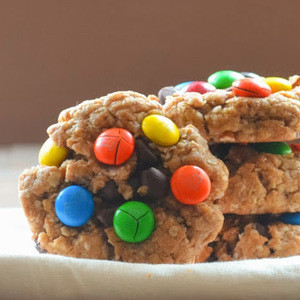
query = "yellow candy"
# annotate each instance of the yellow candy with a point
(160, 130)
(278, 84)
(51, 154)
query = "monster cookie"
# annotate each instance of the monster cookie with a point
(264, 178)
(242, 110)
(106, 186)
(257, 236)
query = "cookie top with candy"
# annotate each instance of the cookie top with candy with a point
(118, 180)
(233, 107)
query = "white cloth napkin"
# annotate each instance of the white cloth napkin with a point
(25, 274)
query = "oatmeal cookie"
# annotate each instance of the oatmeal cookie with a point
(250, 237)
(180, 231)
(221, 116)
(261, 183)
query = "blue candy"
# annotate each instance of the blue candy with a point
(74, 206)
(290, 218)
(182, 85)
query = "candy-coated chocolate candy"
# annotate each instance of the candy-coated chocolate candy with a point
(160, 130)
(278, 84)
(250, 75)
(164, 92)
(190, 184)
(224, 79)
(114, 146)
(295, 147)
(251, 87)
(182, 85)
(290, 218)
(51, 154)
(133, 222)
(74, 206)
(201, 87)
(280, 148)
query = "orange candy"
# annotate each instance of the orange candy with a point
(114, 146)
(251, 87)
(190, 184)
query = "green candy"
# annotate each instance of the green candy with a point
(133, 222)
(279, 148)
(224, 79)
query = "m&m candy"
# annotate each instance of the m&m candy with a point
(278, 84)
(114, 146)
(133, 222)
(182, 85)
(164, 93)
(295, 147)
(251, 87)
(290, 218)
(201, 87)
(224, 79)
(51, 154)
(160, 130)
(190, 184)
(250, 75)
(74, 206)
(280, 148)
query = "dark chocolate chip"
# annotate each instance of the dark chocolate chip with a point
(164, 170)
(220, 150)
(134, 181)
(106, 215)
(146, 158)
(110, 192)
(157, 183)
(261, 229)
(164, 92)
(37, 246)
(266, 219)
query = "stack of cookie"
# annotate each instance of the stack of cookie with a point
(251, 129)
(126, 178)
(106, 182)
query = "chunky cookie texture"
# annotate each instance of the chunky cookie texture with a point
(221, 116)
(250, 237)
(181, 231)
(261, 183)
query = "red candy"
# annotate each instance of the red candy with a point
(114, 146)
(201, 87)
(251, 87)
(295, 147)
(190, 184)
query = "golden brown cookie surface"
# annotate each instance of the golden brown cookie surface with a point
(177, 226)
(222, 117)
(245, 237)
(261, 183)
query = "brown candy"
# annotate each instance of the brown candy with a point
(164, 92)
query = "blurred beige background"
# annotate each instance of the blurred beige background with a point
(54, 54)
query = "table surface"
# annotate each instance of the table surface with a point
(13, 160)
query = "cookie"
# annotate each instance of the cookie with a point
(224, 117)
(260, 182)
(251, 237)
(141, 175)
